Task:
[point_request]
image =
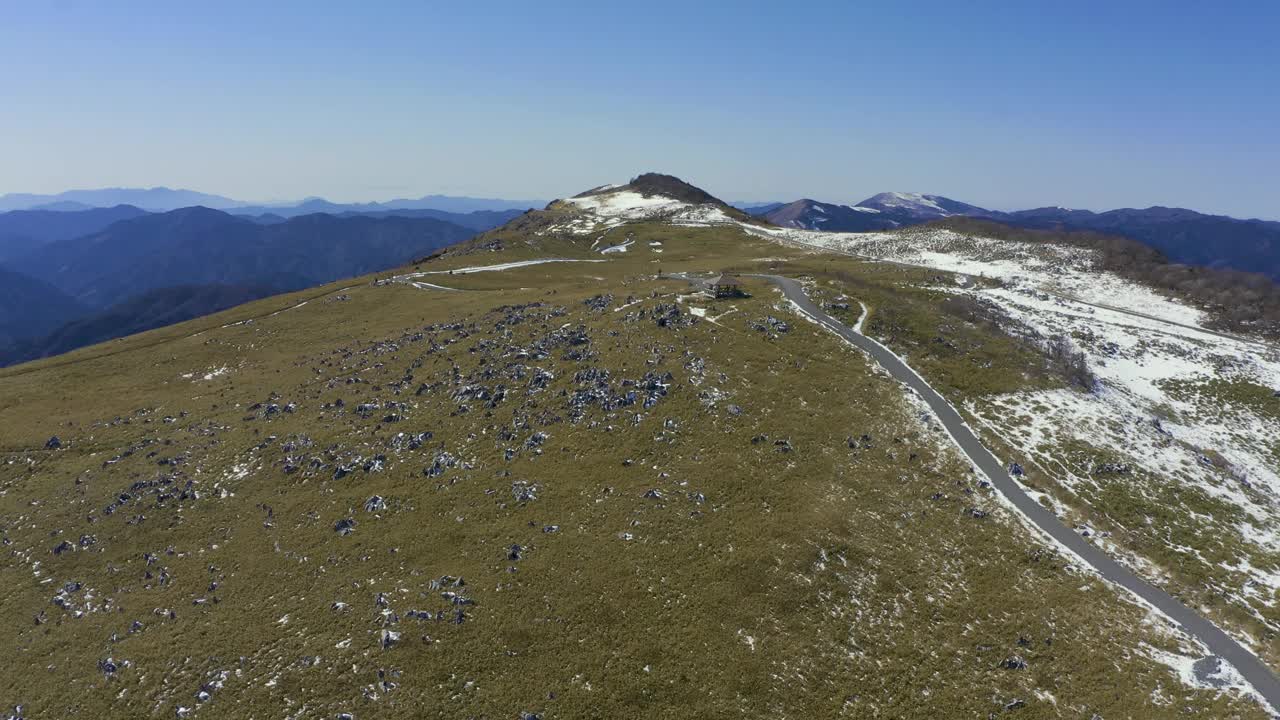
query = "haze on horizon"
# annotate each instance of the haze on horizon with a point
(1085, 105)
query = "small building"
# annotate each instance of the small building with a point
(726, 286)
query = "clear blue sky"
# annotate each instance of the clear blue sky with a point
(1006, 105)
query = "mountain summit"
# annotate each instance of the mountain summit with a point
(656, 184)
(809, 214)
(651, 196)
(919, 205)
(884, 211)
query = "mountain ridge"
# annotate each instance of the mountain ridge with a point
(478, 220)
(152, 198)
(1184, 235)
(163, 199)
(203, 246)
(23, 231)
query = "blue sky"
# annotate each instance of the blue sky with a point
(1006, 105)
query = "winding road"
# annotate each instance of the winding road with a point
(1218, 642)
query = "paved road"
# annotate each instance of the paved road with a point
(1218, 642)
(1135, 313)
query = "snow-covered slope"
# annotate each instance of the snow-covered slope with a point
(662, 197)
(627, 205)
(1183, 423)
(1061, 269)
(919, 207)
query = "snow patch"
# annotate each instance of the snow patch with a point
(614, 208)
(620, 248)
(1204, 673)
(213, 373)
(498, 267)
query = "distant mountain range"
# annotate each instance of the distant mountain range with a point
(156, 198)
(73, 274)
(439, 203)
(79, 277)
(201, 246)
(23, 231)
(161, 199)
(147, 311)
(477, 220)
(1184, 236)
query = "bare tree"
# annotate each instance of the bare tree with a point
(1070, 363)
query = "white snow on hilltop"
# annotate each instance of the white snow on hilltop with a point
(609, 208)
(1167, 428)
(910, 201)
(626, 204)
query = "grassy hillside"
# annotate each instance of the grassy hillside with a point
(563, 490)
